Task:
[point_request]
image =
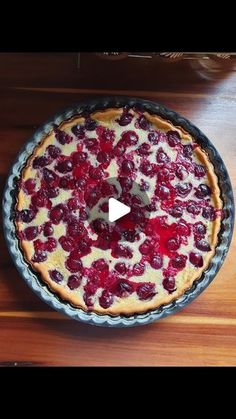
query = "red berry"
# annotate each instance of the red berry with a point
(74, 281)
(196, 259)
(56, 276)
(146, 291)
(156, 261)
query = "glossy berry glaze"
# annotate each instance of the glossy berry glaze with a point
(115, 267)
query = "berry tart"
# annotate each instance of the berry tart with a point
(115, 268)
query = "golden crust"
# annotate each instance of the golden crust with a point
(129, 305)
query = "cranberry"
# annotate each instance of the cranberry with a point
(73, 265)
(39, 162)
(39, 199)
(202, 191)
(176, 211)
(50, 244)
(179, 261)
(73, 204)
(163, 192)
(193, 209)
(104, 207)
(30, 233)
(56, 214)
(107, 135)
(125, 119)
(144, 186)
(146, 291)
(91, 144)
(173, 138)
(156, 261)
(196, 259)
(80, 183)
(62, 137)
(209, 213)
(129, 138)
(49, 177)
(79, 157)
(144, 149)
(162, 157)
(100, 225)
(39, 256)
(127, 166)
(164, 175)
(153, 137)
(203, 245)
(64, 182)
(27, 215)
(143, 123)
(74, 281)
(121, 268)
(53, 151)
(199, 229)
(199, 171)
(76, 229)
(183, 229)
(100, 265)
(83, 214)
(90, 124)
(122, 251)
(187, 151)
(48, 229)
(103, 157)
(147, 168)
(130, 235)
(169, 284)
(145, 248)
(91, 197)
(181, 172)
(78, 131)
(64, 166)
(84, 246)
(106, 299)
(172, 244)
(138, 269)
(183, 189)
(118, 150)
(95, 173)
(52, 192)
(29, 186)
(124, 289)
(66, 243)
(56, 276)
(126, 183)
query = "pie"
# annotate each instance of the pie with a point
(146, 259)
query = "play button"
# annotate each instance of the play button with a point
(116, 210)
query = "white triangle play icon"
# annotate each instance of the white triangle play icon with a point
(116, 209)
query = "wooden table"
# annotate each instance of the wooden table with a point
(32, 88)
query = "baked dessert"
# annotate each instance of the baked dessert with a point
(146, 259)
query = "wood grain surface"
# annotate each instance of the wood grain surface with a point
(32, 88)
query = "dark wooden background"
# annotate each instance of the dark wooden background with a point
(32, 88)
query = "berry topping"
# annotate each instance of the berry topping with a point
(146, 291)
(74, 281)
(173, 138)
(56, 276)
(196, 259)
(203, 245)
(179, 261)
(169, 284)
(106, 299)
(156, 261)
